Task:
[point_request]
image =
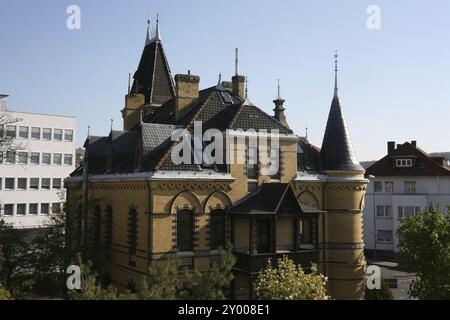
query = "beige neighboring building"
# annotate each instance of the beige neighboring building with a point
(148, 207)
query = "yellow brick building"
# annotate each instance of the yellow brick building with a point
(149, 206)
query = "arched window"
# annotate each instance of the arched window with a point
(185, 230)
(108, 221)
(217, 229)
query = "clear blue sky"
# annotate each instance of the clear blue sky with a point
(394, 82)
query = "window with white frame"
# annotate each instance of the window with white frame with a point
(384, 236)
(33, 209)
(23, 132)
(45, 208)
(384, 211)
(410, 187)
(68, 158)
(11, 132)
(35, 158)
(407, 211)
(57, 159)
(10, 157)
(34, 183)
(22, 183)
(35, 133)
(23, 157)
(58, 134)
(8, 209)
(378, 186)
(68, 135)
(57, 183)
(45, 183)
(389, 187)
(46, 158)
(46, 134)
(403, 163)
(21, 209)
(10, 183)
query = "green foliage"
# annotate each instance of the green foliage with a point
(16, 273)
(92, 288)
(162, 280)
(212, 284)
(290, 282)
(384, 293)
(425, 249)
(165, 282)
(4, 294)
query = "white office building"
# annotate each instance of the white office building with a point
(402, 184)
(32, 178)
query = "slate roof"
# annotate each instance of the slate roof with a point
(423, 164)
(337, 149)
(153, 77)
(272, 199)
(96, 150)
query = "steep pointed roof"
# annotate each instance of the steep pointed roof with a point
(153, 77)
(337, 149)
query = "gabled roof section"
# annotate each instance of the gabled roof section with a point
(272, 199)
(422, 164)
(153, 77)
(96, 151)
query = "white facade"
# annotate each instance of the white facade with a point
(384, 208)
(32, 180)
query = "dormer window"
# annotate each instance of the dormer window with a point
(403, 163)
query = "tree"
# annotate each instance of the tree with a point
(425, 249)
(162, 280)
(16, 273)
(290, 282)
(8, 143)
(212, 284)
(4, 294)
(384, 293)
(166, 281)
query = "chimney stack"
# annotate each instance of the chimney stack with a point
(187, 91)
(391, 146)
(414, 143)
(238, 82)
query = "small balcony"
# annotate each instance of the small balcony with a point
(256, 262)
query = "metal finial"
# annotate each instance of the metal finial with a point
(129, 83)
(148, 36)
(246, 88)
(306, 132)
(112, 121)
(335, 74)
(220, 78)
(157, 35)
(89, 130)
(236, 62)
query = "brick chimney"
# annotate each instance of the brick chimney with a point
(391, 146)
(186, 92)
(239, 86)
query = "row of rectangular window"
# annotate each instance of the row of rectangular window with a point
(24, 133)
(410, 187)
(22, 183)
(403, 211)
(20, 209)
(21, 157)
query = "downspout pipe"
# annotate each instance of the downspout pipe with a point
(149, 221)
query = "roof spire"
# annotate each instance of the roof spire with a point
(236, 62)
(157, 34)
(278, 95)
(112, 121)
(148, 37)
(336, 74)
(220, 79)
